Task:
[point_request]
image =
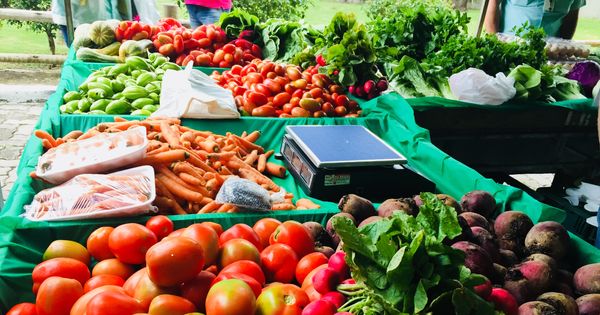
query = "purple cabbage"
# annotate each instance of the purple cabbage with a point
(587, 73)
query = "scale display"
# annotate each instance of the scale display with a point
(339, 146)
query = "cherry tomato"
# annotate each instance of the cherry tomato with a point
(238, 249)
(102, 280)
(279, 263)
(281, 299)
(173, 261)
(113, 267)
(295, 235)
(254, 285)
(264, 228)
(130, 241)
(308, 263)
(342, 100)
(208, 239)
(97, 243)
(160, 225)
(113, 303)
(57, 295)
(246, 267)
(232, 296)
(68, 249)
(196, 289)
(167, 304)
(60, 267)
(243, 231)
(23, 309)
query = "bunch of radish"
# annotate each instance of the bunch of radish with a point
(325, 282)
(369, 89)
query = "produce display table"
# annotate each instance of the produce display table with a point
(515, 138)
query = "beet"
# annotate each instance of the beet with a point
(545, 259)
(504, 301)
(564, 288)
(450, 202)
(562, 303)
(537, 308)
(548, 238)
(326, 250)
(507, 258)
(589, 304)
(586, 279)
(511, 228)
(475, 219)
(329, 227)
(418, 200)
(359, 207)
(388, 207)
(478, 201)
(499, 273)
(485, 239)
(465, 234)
(476, 259)
(370, 220)
(564, 276)
(318, 234)
(528, 280)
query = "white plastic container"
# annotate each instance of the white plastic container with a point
(132, 210)
(98, 154)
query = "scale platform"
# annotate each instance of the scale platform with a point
(331, 161)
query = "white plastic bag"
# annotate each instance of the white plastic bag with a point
(190, 93)
(475, 86)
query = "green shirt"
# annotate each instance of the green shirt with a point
(547, 14)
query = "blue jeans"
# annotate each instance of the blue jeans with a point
(598, 233)
(202, 15)
(63, 31)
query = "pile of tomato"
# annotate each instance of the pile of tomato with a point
(270, 268)
(268, 89)
(205, 46)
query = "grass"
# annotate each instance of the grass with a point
(23, 40)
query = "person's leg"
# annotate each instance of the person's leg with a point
(213, 16)
(194, 12)
(598, 232)
(63, 32)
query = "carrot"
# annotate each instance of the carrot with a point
(120, 119)
(258, 178)
(165, 203)
(168, 133)
(212, 185)
(225, 171)
(46, 144)
(170, 120)
(283, 206)
(251, 158)
(252, 137)
(180, 190)
(167, 172)
(152, 135)
(153, 145)
(42, 134)
(209, 207)
(275, 170)
(247, 145)
(234, 209)
(262, 161)
(186, 167)
(216, 165)
(228, 147)
(73, 134)
(199, 163)
(244, 134)
(220, 156)
(166, 157)
(225, 207)
(190, 179)
(209, 146)
(188, 136)
(307, 203)
(162, 148)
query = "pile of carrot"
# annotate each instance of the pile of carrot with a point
(192, 165)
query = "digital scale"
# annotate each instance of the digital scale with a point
(331, 161)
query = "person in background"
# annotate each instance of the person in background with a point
(206, 11)
(558, 18)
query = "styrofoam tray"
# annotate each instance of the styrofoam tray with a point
(91, 156)
(133, 210)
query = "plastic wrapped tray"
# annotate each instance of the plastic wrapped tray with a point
(98, 154)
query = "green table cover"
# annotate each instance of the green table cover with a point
(424, 103)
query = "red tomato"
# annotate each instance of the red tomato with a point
(168, 304)
(131, 282)
(174, 261)
(22, 309)
(238, 249)
(160, 225)
(281, 298)
(342, 100)
(279, 263)
(281, 98)
(60, 267)
(294, 235)
(69, 249)
(146, 290)
(79, 308)
(113, 267)
(312, 293)
(308, 263)
(113, 303)
(196, 289)
(243, 231)
(254, 77)
(246, 267)
(57, 295)
(254, 285)
(266, 226)
(208, 239)
(257, 99)
(215, 226)
(97, 243)
(230, 296)
(102, 280)
(130, 242)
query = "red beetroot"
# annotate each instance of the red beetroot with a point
(589, 304)
(336, 298)
(528, 280)
(504, 301)
(326, 280)
(476, 259)
(537, 308)
(329, 226)
(319, 307)
(484, 290)
(510, 228)
(478, 201)
(486, 240)
(475, 219)
(337, 262)
(587, 279)
(548, 238)
(370, 220)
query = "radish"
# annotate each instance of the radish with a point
(352, 89)
(319, 307)
(337, 262)
(485, 289)
(382, 85)
(321, 60)
(360, 92)
(326, 280)
(336, 298)
(369, 86)
(504, 301)
(349, 281)
(343, 313)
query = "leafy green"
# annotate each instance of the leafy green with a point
(547, 84)
(402, 265)
(236, 21)
(411, 79)
(566, 89)
(528, 82)
(390, 8)
(282, 40)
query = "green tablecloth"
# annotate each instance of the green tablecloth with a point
(424, 103)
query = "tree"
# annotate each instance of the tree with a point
(37, 5)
